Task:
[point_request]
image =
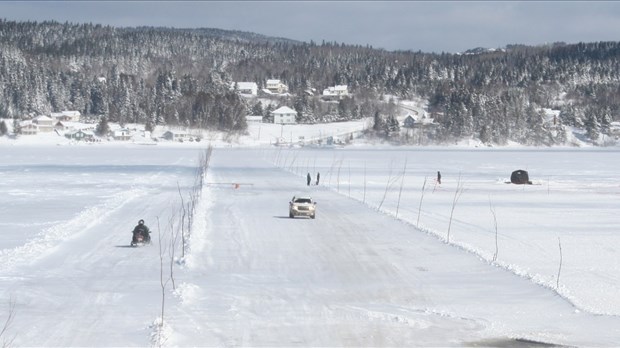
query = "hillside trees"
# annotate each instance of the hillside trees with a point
(17, 128)
(537, 133)
(176, 76)
(378, 122)
(593, 127)
(103, 127)
(3, 128)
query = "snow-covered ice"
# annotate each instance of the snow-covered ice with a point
(375, 268)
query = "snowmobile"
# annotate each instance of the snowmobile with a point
(140, 238)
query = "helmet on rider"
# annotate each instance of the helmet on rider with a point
(141, 222)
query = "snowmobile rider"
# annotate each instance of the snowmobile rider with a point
(143, 230)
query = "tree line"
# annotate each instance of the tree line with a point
(161, 76)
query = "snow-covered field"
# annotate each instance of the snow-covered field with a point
(392, 259)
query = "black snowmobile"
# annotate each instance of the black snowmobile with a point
(141, 235)
(140, 238)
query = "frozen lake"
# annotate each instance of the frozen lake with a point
(573, 202)
(393, 258)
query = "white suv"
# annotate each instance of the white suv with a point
(302, 206)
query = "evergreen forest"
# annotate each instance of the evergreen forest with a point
(166, 76)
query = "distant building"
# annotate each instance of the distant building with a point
(59, 126)
(276, 86)
(122, 134)
(80, 135)
(249, 88)
(418, 121)
(284, 115)
(335, 92)
(28, 128)
(176, 135)
(45, 124)
(409, 121)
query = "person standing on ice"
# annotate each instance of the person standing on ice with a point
(438, 177)
(318, 176)
(308, 179)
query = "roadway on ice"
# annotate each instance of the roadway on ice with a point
(254, 277)
(352, 277)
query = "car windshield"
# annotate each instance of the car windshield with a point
(303, 200)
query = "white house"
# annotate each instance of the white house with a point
(276, 86)
(250, 88)
(81, 134)
(45, 123)
(284, 115)
(59, 126)
(176, 135)
(337, 91)
(28, 128)
(122, 134)
(416, 121)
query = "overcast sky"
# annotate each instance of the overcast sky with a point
(428, 26)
